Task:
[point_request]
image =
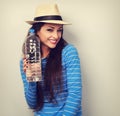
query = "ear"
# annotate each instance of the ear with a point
(38, 33)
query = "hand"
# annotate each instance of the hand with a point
(25, 64)
(27, 68)
(31, 68)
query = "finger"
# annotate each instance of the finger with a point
(25, 64)
(28, 73)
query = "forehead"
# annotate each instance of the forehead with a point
(53, 25)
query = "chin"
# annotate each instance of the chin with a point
(52, 46)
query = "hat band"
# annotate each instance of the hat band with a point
(50, 17)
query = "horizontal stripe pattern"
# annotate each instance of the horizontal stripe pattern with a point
(69, 101)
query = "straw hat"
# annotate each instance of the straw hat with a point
(47, 13)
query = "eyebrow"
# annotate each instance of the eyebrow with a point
(54, 27)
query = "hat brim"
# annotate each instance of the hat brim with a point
(49, 21)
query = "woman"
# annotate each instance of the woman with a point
(59, 92)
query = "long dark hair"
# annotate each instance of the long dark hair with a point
(52, 74)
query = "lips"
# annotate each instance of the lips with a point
(53, 41)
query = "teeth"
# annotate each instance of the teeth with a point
(53, 41)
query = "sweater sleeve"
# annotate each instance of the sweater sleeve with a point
(29, 88)
(74, 84)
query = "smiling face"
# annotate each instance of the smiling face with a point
(50, 35)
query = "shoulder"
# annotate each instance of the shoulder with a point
(69, 53)
(69, 49)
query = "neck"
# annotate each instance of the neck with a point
(45, 51)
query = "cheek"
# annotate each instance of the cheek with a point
(60, 34)
(41, 36)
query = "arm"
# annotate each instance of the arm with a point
(29, 88)
(74, 84)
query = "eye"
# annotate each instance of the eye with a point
(60, 30)
(50, 30)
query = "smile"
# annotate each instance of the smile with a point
(53, 41)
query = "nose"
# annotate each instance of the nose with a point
(55, 35)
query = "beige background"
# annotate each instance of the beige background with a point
(94, 31)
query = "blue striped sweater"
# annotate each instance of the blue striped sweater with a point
(69, 101)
